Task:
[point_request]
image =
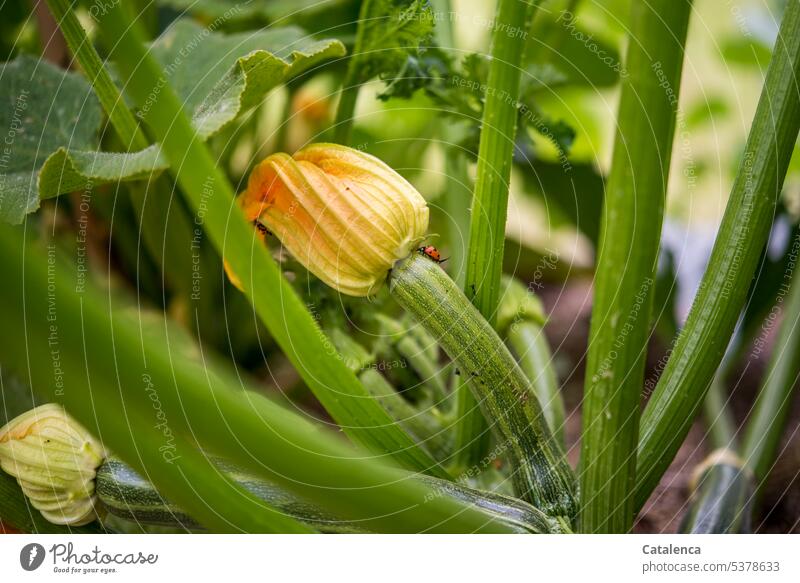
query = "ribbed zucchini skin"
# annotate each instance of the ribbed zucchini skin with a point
(542, 475)
(124, 493)
(720, 502)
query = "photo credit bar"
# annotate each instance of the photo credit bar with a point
(365, 558)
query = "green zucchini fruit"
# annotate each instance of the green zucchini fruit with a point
(124, 493)
(541, 473)
(722, 491)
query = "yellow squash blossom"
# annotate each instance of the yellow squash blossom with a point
(54, 460)
(344, 214)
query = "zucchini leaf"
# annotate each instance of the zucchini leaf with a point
(391, 35)
(220, 76)
(237, 11)
(44, 111)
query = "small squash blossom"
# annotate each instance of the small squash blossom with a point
(54, 460)
(344, 214)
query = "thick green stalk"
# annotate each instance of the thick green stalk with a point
(720, 423)
(541, 473)
(721, 429)
(495, 152)
(455, 202)
(529, 344)
(429, 370)
(211, 196)
(457, 191)
(348, 96)
(69, 354)
(343, 124)
(740, 240)
(153, 402)
(165, 231)
(119, 115)
(768, 418)
(628, 254)
(490, 199)
(472, 434)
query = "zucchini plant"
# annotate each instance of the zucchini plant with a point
(206, 332)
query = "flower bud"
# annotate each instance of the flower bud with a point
(54, 460)
(345, 215)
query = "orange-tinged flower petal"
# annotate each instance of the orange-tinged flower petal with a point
(345, 215)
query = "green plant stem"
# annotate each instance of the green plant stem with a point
(473, 436)
(131, 386)
(211, 196)
(444, 25)
(69, 355)
(455, 202)
(119, 115)
(428, 370)
(421, 425)
(768, 418)
(541, 473)
(720, 423)
(282, 135)
(529, 344)
(348, 96)
(723, 289)
(166, 232)
(499, 126)
(126, 494)
(455, 198)
(490, 198)
(628, 254)
(343, 124)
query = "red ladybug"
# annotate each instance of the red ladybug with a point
(431, 253)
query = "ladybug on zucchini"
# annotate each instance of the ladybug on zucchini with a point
(431, 253)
